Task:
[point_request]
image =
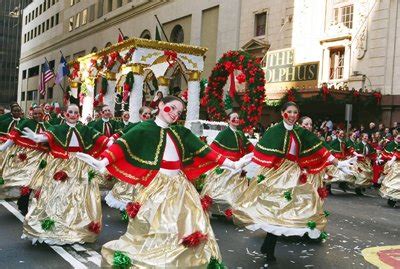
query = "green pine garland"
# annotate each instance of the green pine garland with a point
(124, 216)
(287, 195)
(215, 264)
(260, 178)
(42, 164)
(121, 261)
(130, 79)
(326, 213)
(219, 170)
(91, 175)
(323, 236)
(47, 224)
(228, 103)
(311, 225)
(104, 85)
(1, 181)
(199, 183)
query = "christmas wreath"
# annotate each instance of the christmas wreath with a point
(252, 101)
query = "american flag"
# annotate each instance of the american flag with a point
(45, 77)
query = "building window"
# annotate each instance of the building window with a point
(47, 24)
(43, 27)
(57, 18)
(260, 24)
(44, 6)
(100, 8)
(177, 35)
(40, 9)
(24, 74)
(71, 24)
(39, 29)
(84, 16)
(22, 96)
(145, 34)
(35, 32)
(109, 6)
(77, 20)
(52, 22)
(344, 15)
(50, 92)
(336, 63)
(119, 3)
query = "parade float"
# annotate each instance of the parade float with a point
(116, 75)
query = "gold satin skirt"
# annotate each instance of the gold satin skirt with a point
(390, 188)
(71, 208)
(121, 194)
(38, 177)
(170, 209)
(317, 180)
(279, 204)
(335, 175)
(224, 189)
(2, 154)
(19, 168)
(364, 173)
(105, 183)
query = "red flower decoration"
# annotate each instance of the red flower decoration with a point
(229, 66)
(94, 227)
(303, 178)
(25, 190)
(206, 202)
(60, 176)
(241, 78)
(37, 194)
(171, 56)
(22, 157)
(323, 193)
(132, 209)
(228, 213)
(194, 239)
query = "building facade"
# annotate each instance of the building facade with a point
(10, 46)
(352, 44)
(78, 27)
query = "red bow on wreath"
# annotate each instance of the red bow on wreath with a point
(378, 97)
(325, 91)
(171, 57)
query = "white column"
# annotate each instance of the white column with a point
(135, 98)
(347, 61)
(87, 106)
(193, 104)
(109, 97)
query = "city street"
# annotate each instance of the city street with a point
(355, 223)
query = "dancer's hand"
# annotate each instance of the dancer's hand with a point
(99, 165)
(379, 160)
(358, 154)
(391, 162)
(29, 134)
(110, 142)
(245, 160)
(344, 166)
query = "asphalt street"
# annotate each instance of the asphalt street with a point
(355, 223)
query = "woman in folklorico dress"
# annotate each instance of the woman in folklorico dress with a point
(223, 185)
(364, 173)
(316, 179)
(24, 160)
(8, 122)
(168, 227)
(68, 208)
(390, 188)
(122, 192)
(342, 150)
(280, 199)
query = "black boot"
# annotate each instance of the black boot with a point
(329, 188)
(343, 186)
(268, 247)
(391, 203)
(23, 203)
(358, 191)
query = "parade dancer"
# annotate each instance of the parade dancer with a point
(341, 150)
(223, 185)
(23, 160)
(390, 188)
(122, 192)
(68, 209)
(8, 122)
(108, 127)
(280, 199)
(366, 154)
(168, 226)
(48, 113)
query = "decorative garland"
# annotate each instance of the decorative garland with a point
(253, 99)
(128, 85)
(325, 95)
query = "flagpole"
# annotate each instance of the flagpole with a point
(119, 29)
(162, 28)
